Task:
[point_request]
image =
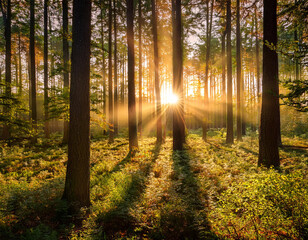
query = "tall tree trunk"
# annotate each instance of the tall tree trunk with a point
(20, 66)
(223, 59)
(115, 70)
(132, 119)
(110, 83)
(65, 62)
(104, 64)
(140, 66)
(238, 72)
(157, 81)
(32, 71)
(77, 183)
(230, 138)
(270, 117)
(297, 77)
(8, 60)
(46, 68)
(207, 62)
(123, 80)
(257, 64)
(178, 109)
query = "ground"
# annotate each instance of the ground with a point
(208, 191)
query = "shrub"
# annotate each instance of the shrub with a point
(269, 205)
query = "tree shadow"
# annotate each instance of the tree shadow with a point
(187, 217)
(297, 150)
(119, 221)
(247, 150)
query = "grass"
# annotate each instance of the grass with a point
(208, 191)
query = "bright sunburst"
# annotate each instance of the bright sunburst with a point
(172, 99)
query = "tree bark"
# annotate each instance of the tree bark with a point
(257, 65)
(115, 70)
(238, 72)
(46, 114)
(8, 61)
(110, 83)
(178, 109)
(103, 66)
(32, 71)
(77, 183)
(270, 117)
(230, 138)
(207, 63)
(65, 63)
(156, 71)
(20, 66)
(223, 59)
(140, 66)
(132, 119)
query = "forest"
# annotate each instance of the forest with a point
(153, 119)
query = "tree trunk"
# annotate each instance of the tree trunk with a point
(156, 68)
(207, 62)
(32, 71)
(238, 73)
(77, 183)
(65, 63)
(8, 76)
(140, 67)
(223, 59)
(103, 66)
(20, 66)
(132, 119)
(270, 117)
(257, 65)
(297, 74)
(110, 83)
(178, 109)
(115, 70)
(230, 138)
(46, 68)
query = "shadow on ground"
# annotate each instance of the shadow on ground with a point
(185, 215)
(118, 221)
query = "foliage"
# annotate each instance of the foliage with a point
(296, 97)
(268, 205)
(16, 116)
(156, 194)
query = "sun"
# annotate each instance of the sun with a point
(172, 99)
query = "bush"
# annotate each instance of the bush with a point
(270, 205)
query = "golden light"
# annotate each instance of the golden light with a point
(172, 99)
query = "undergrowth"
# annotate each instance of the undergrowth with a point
(208, 191)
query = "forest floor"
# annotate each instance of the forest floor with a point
(208, 191)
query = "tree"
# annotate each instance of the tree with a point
(257, 60)
(132, 120)
(46, 114)
(270, 117)
(103, 61)
(7, 17)
(159, 130)
(178, 109)
(207, 63)
(223, 73)
(65, 61)
(238, 72)
(140, 66)
(115, 70)
(110, 84)
(230, 138)
(32, 70)
(77, 183)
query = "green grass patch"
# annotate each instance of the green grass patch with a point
(208, 191)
